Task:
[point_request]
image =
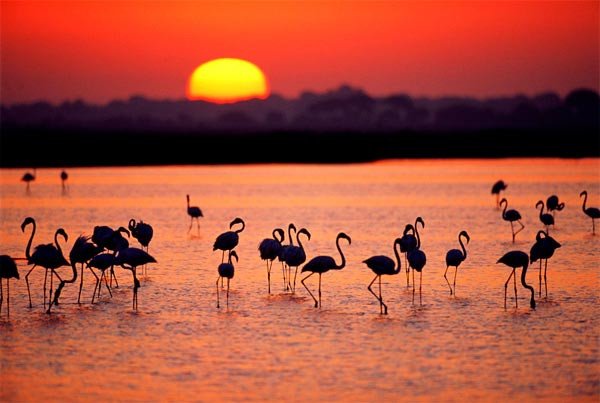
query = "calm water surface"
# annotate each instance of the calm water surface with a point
(180, 347)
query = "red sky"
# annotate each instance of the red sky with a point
(99, 51)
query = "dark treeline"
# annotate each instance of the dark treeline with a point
(344, 125)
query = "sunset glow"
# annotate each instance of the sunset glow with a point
(227, 80)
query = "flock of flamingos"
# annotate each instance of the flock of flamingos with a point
(108, 248)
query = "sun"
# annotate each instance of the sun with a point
(227, 80)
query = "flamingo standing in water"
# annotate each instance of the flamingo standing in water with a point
(591, 212)
(194, 213)
(269, 249)
(322, 264)
(8, 270)
(515, 259)
(284, 248)
(229, 240)
(101, 262)
(409, 243)
(543, 249)
(226, 270)
(294, 256)
(454, 257)
(417, 260)
(63, 178)
(143, 233)
(381, 265)
(545, 218)
(511, 216)
(130, 259)
(553, 205)
(496, 189)
(28, 177)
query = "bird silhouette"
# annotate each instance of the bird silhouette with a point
(553, 205)
(48, 256)
(545, 218)
(543, 249)
(229, 240)
(409, 243)
(511, 216)
(142, 232)
(8, 270)
(130, 259)
(496, 189)
(515, 259)
(454, 257)
(81, 252)
(193, 212)
(226, 270)
(294, 256)
(417, 260)
(322, 264)
(63, 178)
(381, 265)
(113, 241)
(102, 262)
(291, 227)
(28, 177)
(591, 212)
(269, 249)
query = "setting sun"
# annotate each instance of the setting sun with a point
(227, 80)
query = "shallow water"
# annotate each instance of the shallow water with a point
(179, 346)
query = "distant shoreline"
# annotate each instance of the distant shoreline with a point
(54, 148)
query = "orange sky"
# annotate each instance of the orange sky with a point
(99, 51)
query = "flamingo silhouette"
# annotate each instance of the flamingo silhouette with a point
(496, 189)
(543, 249)
(143, 233)
(48, 256)
(101, 262)
(291, 227)
(514, 259)
(81, 252)
(454, 257)
(553, 205)
(591, 212)
(226, 270)
(63, 177)
(130, 259)
(229, 240)
(511, 216)
(28, 177)
(113, 241)
(381, 265)
(269, 249)
(407, 243)
(294, 256)
(546, 218)
(8, 270)
(193, 212)
(417, 260)
(322, 264)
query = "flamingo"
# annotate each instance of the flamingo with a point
(8, 270)
(409, 243)
(101, 262)
(229, 240)
(130, 259)
(113, 241)
(592, 212)
(496, 189)
(81, 252)
(282, 254)
(553, 205)
(543, 249)
(193, 212)
(511, 216)
(294, 256)
(63, 177)
(48, 256)
(454, 257)
(226, 270)
(546, 218)
(381, 265)
(269, 249)
(417, 260)
(514, 259)
(28, 177)
(142, 232)
(322, 264)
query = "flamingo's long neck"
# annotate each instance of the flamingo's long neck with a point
(418, 236)
(343, 264)
(530, 288)
(541, 210)
(57, 244)
(188, 202)
(505, 207)
(290, 234)
(28, 249)
(584, 201)
(241, 229)
(298, 240)
(398, 261)
(462, 245)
